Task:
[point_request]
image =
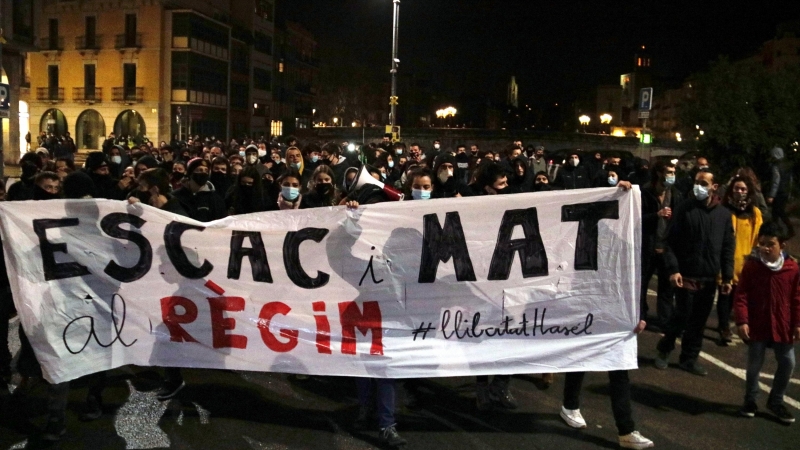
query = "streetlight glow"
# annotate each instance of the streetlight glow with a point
(605, 118)
(584, 119)
(446, 112)
(335, 121)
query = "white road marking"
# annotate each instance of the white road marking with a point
(741, 373)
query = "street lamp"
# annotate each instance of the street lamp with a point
(584, 120)
(446, 112)
(335, 121)
(395, 63)
(605, 118)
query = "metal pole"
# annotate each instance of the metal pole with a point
(396, 30)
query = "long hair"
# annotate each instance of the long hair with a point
(332, 197)
(751, 192)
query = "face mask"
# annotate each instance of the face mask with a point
(700, 192)
(262, 153)
(143, 196)
(241, 153)
(436, 146)
(391, 164)
(116, 159)
(703, 167)
(669, 180)
(444, 176)
(497, 158)
(399, 151)
(501, 191)
(323, 188)
(251, 159)
(383, 176)
(296, 166)
(177, 176)
(612, 181)
(314, 159)
(419, 194)
(575, 162)
(290, 193)
(200, 178)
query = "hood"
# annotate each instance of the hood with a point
(776, 153)
(78, 185)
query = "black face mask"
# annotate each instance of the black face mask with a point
(143, 196)
(41, 194)
(200, 178)
(501, 191)
(177, 176)
(247, 191)
(323, 188)
(218, 179)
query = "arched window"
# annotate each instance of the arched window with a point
(90, 130)
(130, 124)
(54, 122)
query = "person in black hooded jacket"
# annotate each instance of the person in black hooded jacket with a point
(97, 168)
(573, 174)
(445, 183)
(521, 178)
(30, 164)
(247, 195)
(197, 196)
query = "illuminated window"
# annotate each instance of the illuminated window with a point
(277, 128)
(280, 67)
(639, 62)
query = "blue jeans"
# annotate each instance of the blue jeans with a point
(784, 354)
(385, 398)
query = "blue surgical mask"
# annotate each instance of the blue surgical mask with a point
(419, 194)
(383, 176)
(314, 158)
(669, 180)
(700, 192)
(296, 166)
(241, 153)
(398, 151)
(612, 181)
(391, 164)
(290, 193)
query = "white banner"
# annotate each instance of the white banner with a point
(526, 283)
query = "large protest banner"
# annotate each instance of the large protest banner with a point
(526, 283)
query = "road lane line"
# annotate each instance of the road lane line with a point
(741, 373)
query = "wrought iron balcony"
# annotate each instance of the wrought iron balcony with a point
(127, 95)
(88, 42)
(50, 94)
(51, 43)
(87, 95)
(128, 41)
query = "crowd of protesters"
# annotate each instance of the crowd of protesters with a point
(703, 235)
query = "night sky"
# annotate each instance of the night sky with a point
(556, 49)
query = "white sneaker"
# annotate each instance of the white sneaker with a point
(573, 417)
(635, 440)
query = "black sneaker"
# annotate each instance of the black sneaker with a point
(781, 413)
(55, 430)
(749, 409)
(390, 437)
(93, 411)
(500, 393)
(169, 390)
(694, 368)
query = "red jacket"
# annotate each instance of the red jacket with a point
(767, 301)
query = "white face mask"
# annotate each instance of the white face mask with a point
(612, 181)
(116, 159)
(251, 159)
(445, 175)
(262, 153)
(700, 192)
(575, 162)
(436, 146)
(669, 180)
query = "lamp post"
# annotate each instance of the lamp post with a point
(395, 63)
(584, 120)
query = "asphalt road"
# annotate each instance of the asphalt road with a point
(263, 411)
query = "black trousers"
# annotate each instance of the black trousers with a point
(691, 313)
(652, 264)
(620, 386)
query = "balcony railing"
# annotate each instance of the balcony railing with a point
(128, 41)
(88, 42)
(127, 95)
(50, 94)
(51, 43)
(87, 95)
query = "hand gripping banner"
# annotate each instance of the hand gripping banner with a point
(544, 282)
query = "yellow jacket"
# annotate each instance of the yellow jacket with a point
(745, 233)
